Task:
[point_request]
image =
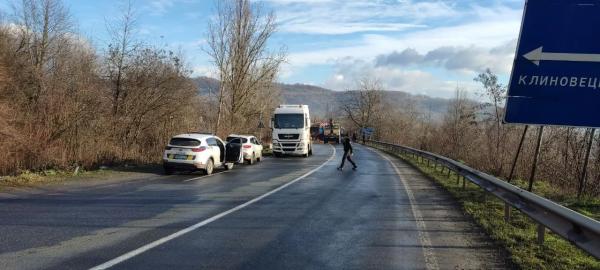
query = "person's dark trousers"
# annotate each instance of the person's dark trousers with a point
(347, 156)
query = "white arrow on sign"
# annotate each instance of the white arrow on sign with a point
(538, 55)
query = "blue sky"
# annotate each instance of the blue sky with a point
(423, 47)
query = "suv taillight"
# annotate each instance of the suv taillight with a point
(199, 149)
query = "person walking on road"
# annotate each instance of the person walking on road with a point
(347, 154)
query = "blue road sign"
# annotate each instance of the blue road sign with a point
(556, 73)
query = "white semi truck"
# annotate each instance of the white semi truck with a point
(291, 131)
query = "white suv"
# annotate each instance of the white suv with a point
(251, 147)
(196, 151)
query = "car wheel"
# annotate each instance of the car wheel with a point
(251, 160)
(259, 159)
(277, 154)
(310, 151)
(209, 167)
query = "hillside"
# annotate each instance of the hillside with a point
(324, 102)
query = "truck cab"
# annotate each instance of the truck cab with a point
(332, 133)
(291, 131)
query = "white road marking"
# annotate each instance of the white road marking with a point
(430, 259)
(200, 224)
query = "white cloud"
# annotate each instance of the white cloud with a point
(462, 59)
(419, 82)
(487, 33)
(207, 71)
(315, 27)
(344, 17)
(433, 60)
(160, 7)
(295, 1)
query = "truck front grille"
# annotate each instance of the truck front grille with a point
(288, 136)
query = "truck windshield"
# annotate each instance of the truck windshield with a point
(289, 120)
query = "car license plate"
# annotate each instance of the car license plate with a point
(181, 156)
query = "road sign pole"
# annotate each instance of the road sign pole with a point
(585, 164)
(514, 164)
(535, 157)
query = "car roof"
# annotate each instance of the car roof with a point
(241, 136)
(196, 136)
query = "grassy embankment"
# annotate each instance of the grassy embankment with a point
(46, 177)
(519, 236)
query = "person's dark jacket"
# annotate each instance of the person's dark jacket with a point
(347, 146)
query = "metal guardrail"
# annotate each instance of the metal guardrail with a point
(580, 230)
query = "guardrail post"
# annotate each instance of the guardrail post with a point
(541, 231)
(507, 212)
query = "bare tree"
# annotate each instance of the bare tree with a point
(457, 120)
(44, 26)
(62, 107)
(120, 49)
(362, 105)
(496, 93)
(237, 43)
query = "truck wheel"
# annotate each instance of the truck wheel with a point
(310, 151)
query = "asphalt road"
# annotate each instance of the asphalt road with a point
(289, 213)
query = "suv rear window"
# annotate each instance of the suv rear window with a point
(229, 139)
(184, 142)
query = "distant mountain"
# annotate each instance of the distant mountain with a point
(324, 102)
(207, 85)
